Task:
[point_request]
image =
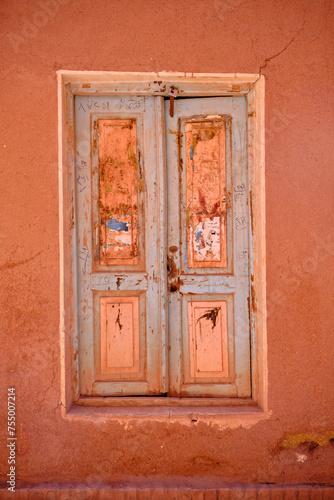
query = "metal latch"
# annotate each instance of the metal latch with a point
(173, 93)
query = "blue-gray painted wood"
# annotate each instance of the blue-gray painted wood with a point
(234, 281)
(146, 280)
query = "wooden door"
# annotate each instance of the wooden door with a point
(208, 248)
(120, 252)
(123, 249)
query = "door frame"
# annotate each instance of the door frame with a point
(72, 83)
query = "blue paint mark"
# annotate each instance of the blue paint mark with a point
(186, 261)
(198, 235)
(192, 151)
(118, 225)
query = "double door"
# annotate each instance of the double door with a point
(162, 246)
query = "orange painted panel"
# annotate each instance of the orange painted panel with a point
(208, 346)
(206, 193)
(119, 335)
(118, 191)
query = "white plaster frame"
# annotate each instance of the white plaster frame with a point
(223, 412)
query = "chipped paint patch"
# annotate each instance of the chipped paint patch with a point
(123, 239)
(119, 233)
(206, 239)
(118, 225)
(120, 180)
(206, 192)
(301, 458)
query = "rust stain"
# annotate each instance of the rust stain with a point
(175, 285)
(174, 281)
(253, 294)
(173, 93)
(179, 143)
(162, 88)
(86, 86)
(95, 137)
(173, 274)
(85, 238)
(171, 267)
(173, 249)
(128, 125)
(118, 282)
(180, 164)
(141, 178)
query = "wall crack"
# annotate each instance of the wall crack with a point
(60, 404)
(9, 265)
(268, 59)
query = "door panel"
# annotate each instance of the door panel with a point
(208, 247)
(120, 344)
(208, 342)
(118, 200)
(206, 192)
(120, 245)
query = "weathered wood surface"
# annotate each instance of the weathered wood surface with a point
(119, 334)
(118, 191)
(120, 245)
(208, 339)
(206, 192)
(208, 231)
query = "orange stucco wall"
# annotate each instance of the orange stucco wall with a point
(290, 42)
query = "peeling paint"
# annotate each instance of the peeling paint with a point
(207, 239)
(206, 192)
(120, 179)
(118, 225)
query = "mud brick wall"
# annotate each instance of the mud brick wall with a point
(291, 43)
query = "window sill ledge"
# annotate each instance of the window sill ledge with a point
(231, 415)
